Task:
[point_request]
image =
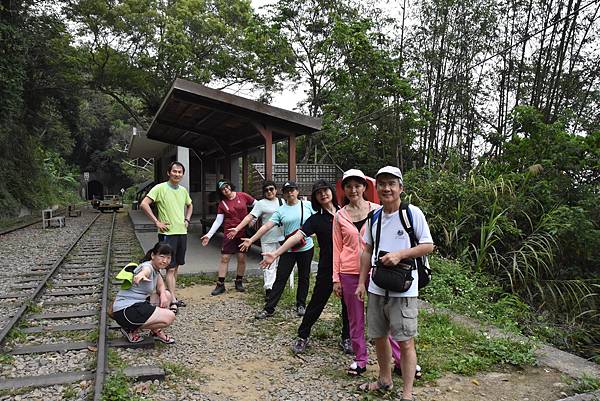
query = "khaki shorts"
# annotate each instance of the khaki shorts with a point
(397, 318)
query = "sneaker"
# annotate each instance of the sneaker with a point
(300, 311)
(219, 289)
(346, 346)
(355, 370)
(418, 373)
(263, 314)
(239, 286)
(300, 345)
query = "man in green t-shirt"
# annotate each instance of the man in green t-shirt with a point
(174, 213)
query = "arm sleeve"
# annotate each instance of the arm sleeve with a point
(308, 228)
(250, 201)
(337, 248)
(276, 217)
(256, 210)
(153, 193)
(368, 236)
(308, 207)
(215, 226)
(188, 200)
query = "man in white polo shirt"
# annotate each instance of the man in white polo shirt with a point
(388, 312)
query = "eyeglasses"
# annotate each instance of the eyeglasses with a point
(269, 189)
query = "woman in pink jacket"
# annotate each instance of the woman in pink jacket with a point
(348, 230)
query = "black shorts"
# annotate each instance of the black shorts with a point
(231, 246)
(132, 317)
(179, 244)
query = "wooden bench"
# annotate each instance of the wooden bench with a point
(48, 220)
(72, 211)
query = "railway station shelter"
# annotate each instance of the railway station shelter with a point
(217, 134)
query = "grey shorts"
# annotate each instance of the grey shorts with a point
(397, 318)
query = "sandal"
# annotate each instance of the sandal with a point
(418, 373)
(162, 337)
(355, 370)
(132, 336)
(376, 386)
(173, 307)
(179, 303)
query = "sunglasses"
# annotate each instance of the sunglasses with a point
(269, 189)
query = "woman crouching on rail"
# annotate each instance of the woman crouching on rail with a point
(144, 305)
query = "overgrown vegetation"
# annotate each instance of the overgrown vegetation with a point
(528, 221)
(117, 387)
(456, 287)
(585, 384)
(444, 346)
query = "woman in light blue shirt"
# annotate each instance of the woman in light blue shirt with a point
(290, 217)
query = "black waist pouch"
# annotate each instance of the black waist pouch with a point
(396, 278)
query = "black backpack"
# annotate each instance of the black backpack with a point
(405, 215)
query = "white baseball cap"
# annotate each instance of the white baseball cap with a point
(395, 171)
(354, 172)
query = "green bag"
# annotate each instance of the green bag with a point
(126, 275)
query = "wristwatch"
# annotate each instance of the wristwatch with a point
(186, 220)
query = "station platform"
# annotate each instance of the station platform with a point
(198, 259)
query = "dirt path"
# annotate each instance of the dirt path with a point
(227, 355)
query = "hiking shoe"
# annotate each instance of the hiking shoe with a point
(346, 346)
(263, 314)
(219, 289)
(239, 286)
(300, 345)
(300, 311)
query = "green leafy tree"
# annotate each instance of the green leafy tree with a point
(136, 48)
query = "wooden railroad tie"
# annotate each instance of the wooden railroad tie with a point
(138, 373)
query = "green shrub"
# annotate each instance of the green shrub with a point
(445, 346)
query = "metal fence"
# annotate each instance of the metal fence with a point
(307, 174)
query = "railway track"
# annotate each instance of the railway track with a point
(56, 322)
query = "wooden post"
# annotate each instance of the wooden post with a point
(292, 175)
(245, 171)
(268, 135)
(204, 195)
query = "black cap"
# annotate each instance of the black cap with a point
(320, 184)
(268, 183)
(289, 185)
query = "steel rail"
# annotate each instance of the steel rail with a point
(15, 228)
(24, 225)
(25, 304)
(101, 345)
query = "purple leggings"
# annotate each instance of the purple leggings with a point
(356, 317)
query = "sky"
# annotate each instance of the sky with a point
(289, 97)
